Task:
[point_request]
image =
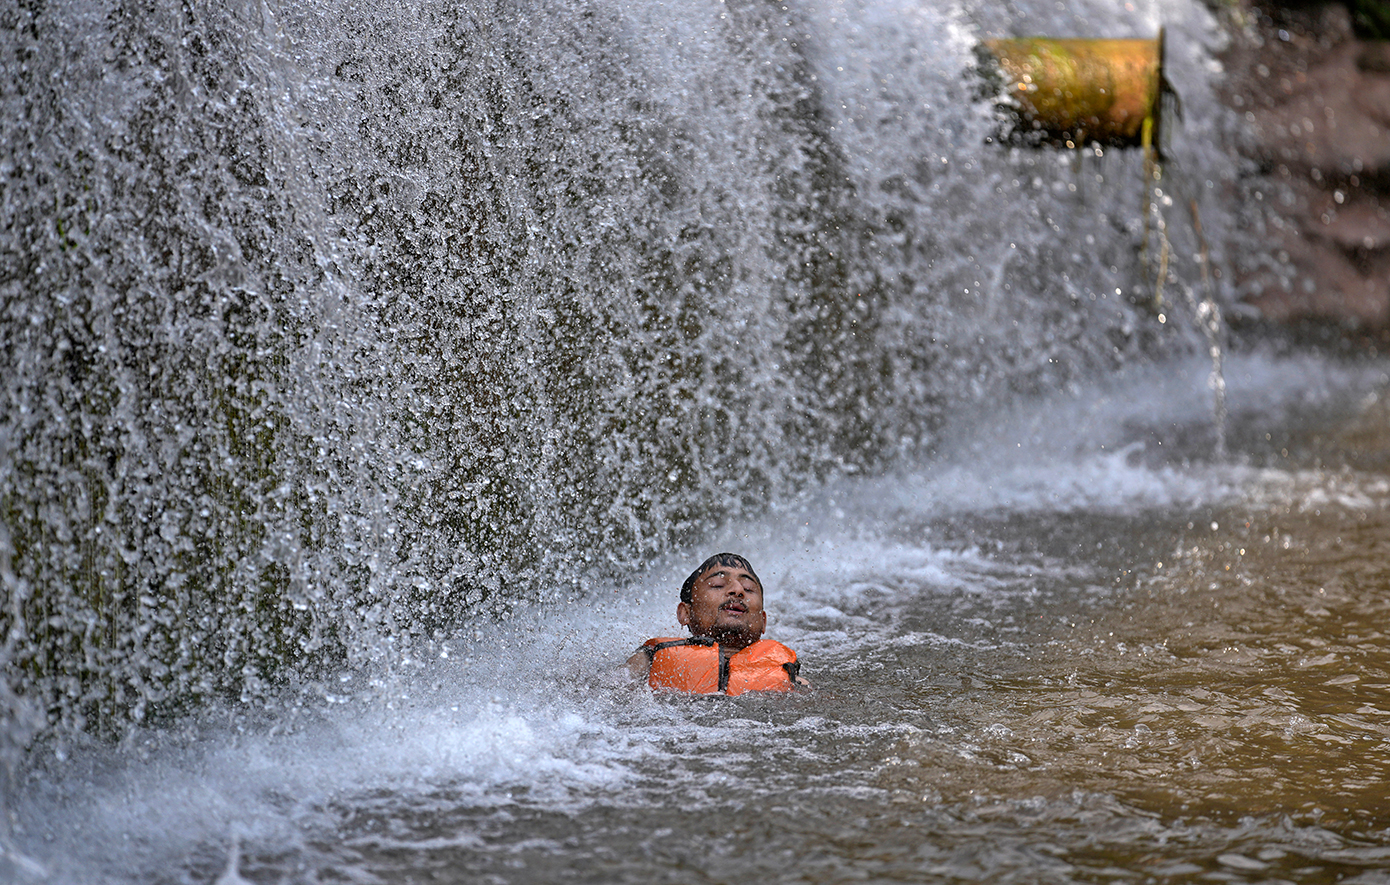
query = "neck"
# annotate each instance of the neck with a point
(734, 641)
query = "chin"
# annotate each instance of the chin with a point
(739, 631)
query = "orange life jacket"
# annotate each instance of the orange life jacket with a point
(694, 664)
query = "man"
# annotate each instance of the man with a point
(722, 605)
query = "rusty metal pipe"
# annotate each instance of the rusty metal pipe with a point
(1076, 91)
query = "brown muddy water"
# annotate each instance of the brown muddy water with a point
(1071, 648)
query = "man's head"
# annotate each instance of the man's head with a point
(723, 599)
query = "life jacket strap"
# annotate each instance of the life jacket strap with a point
(651, 650)
(793, 669)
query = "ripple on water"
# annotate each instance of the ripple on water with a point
(1189, 691)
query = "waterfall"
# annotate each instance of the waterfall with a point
(331, 327)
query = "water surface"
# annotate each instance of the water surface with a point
(1070, 648)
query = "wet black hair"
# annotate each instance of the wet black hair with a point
(729, 559)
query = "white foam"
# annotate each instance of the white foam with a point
(538, 707)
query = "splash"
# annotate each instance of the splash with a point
(330, 328)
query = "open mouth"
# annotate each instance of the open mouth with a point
(738, 607)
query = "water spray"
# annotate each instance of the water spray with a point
(1074, 93)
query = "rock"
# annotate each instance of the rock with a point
(1330, 118)
(1317, 100)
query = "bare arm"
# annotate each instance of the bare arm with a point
(639, 665)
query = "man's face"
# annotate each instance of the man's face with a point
(726, 604)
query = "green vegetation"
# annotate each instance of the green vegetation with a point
(1370, 19)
